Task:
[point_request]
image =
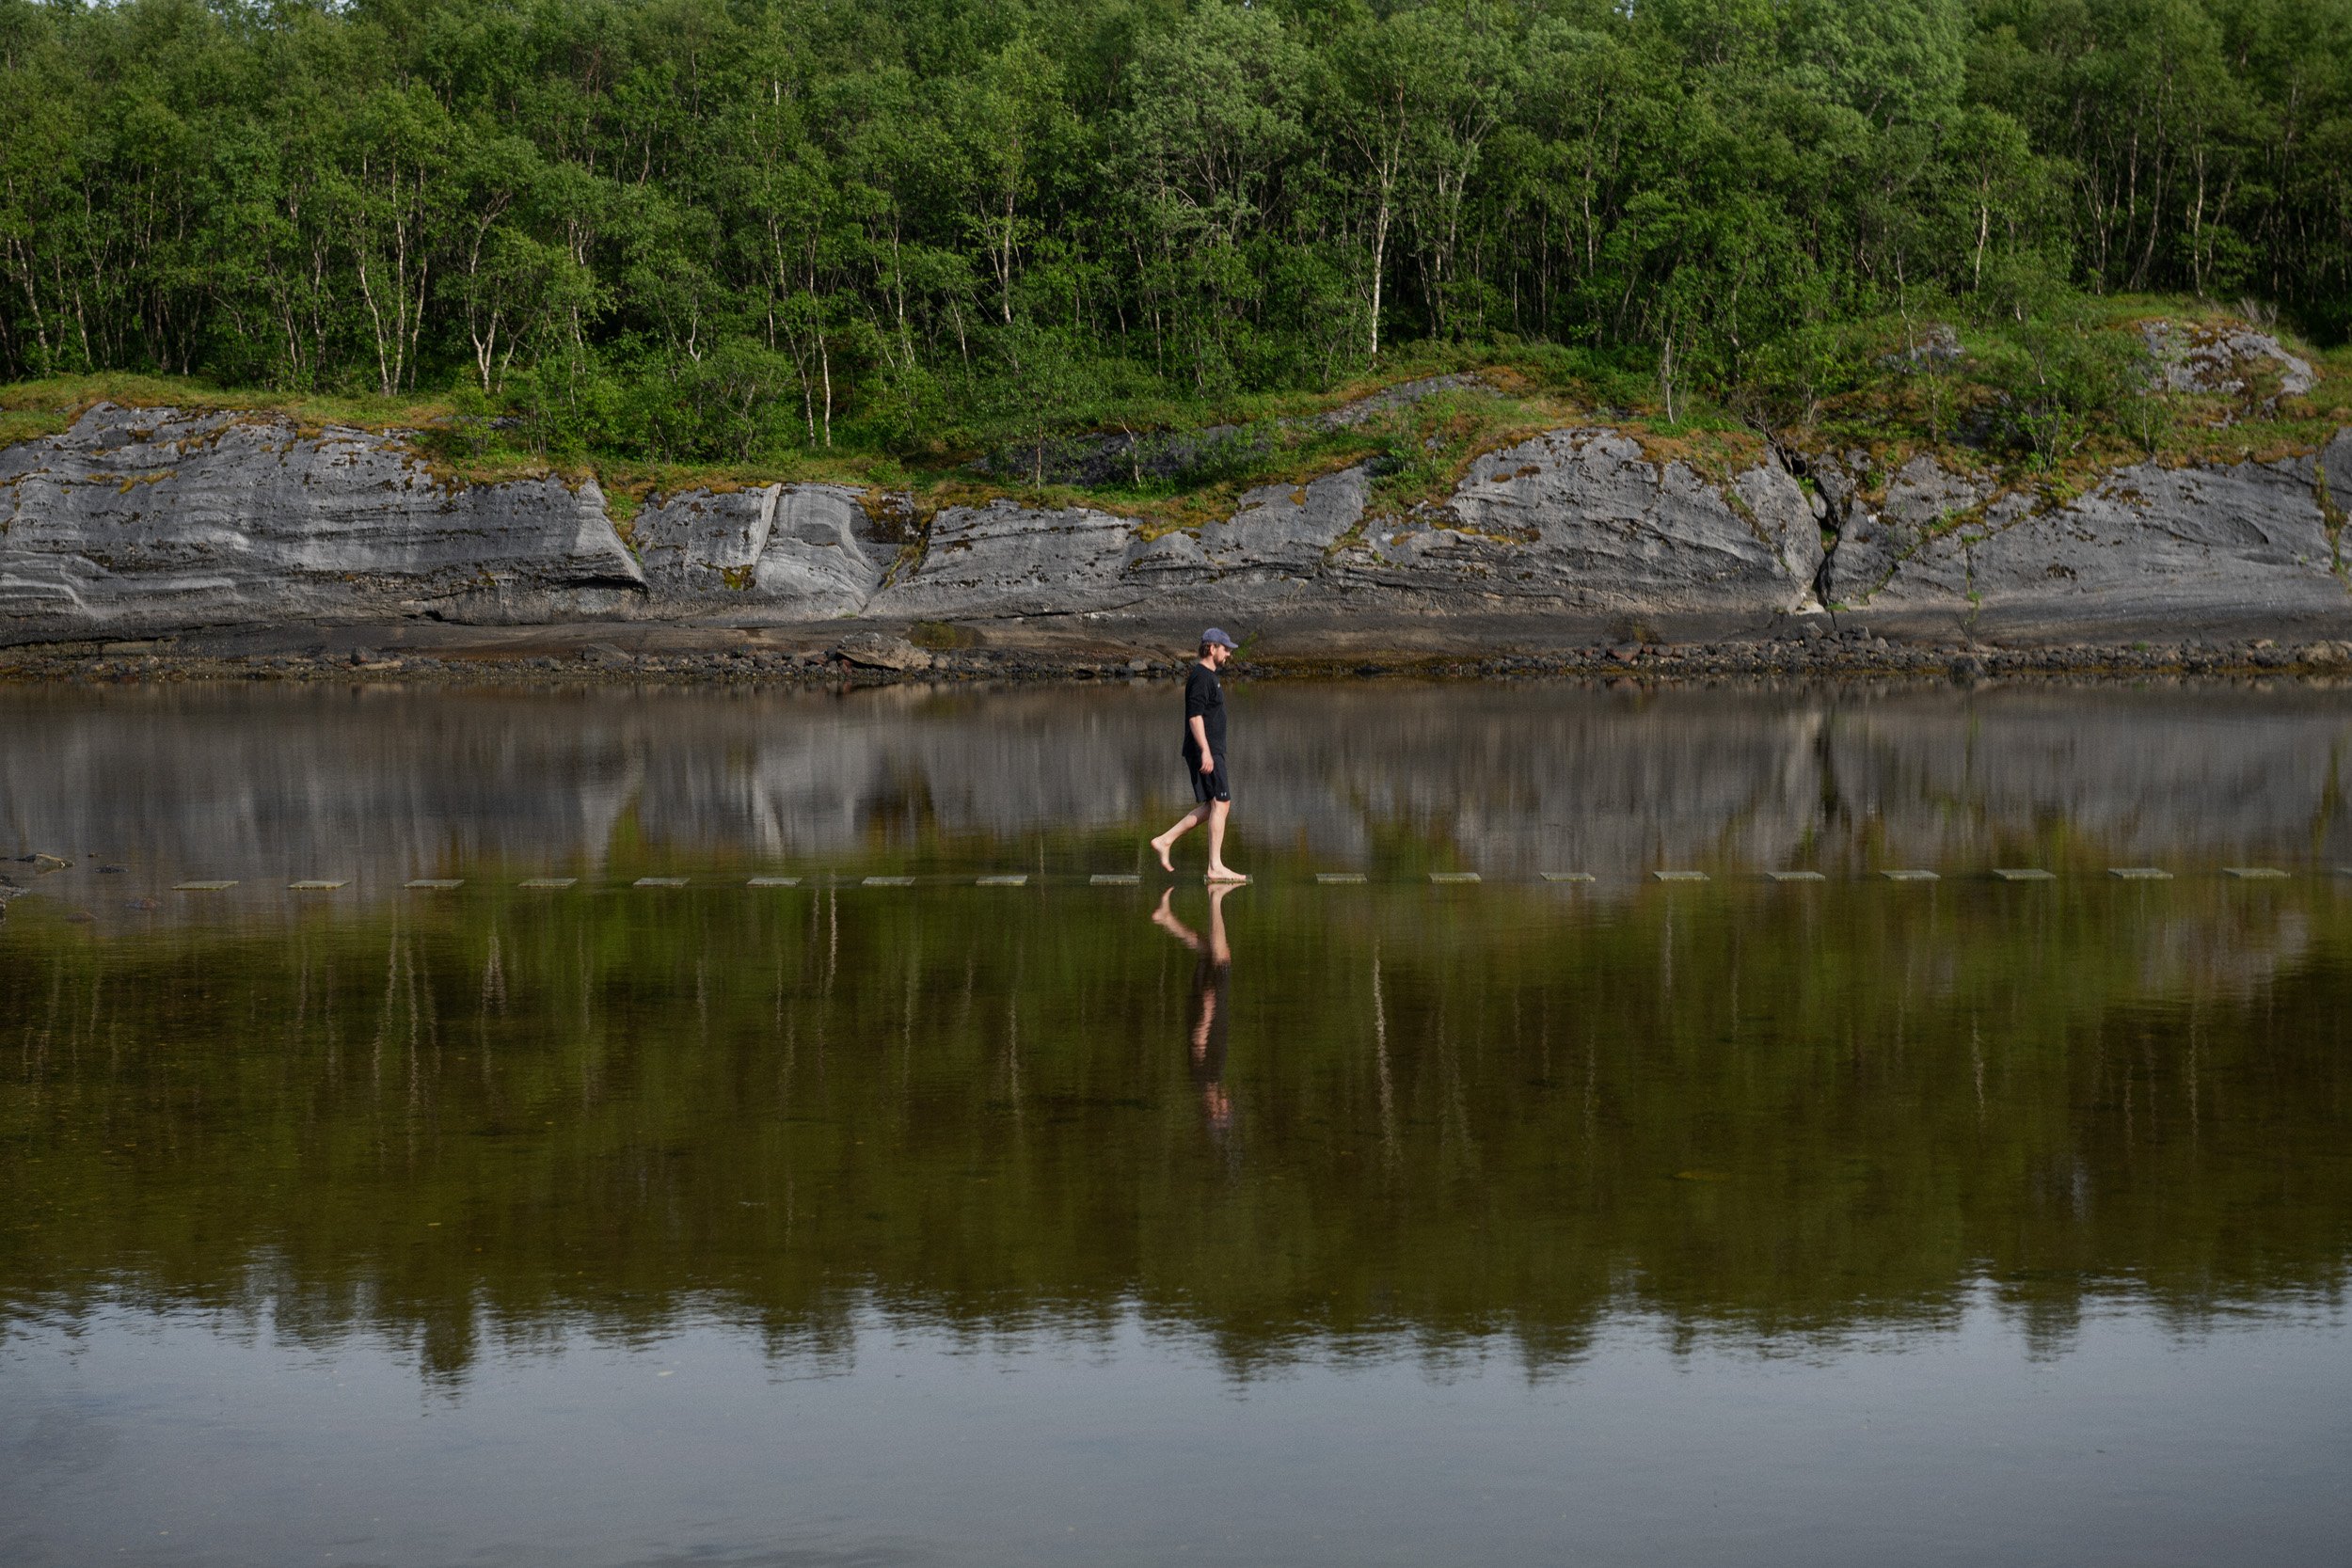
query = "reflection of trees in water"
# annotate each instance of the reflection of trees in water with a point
(496, 1121)
(1522, 777)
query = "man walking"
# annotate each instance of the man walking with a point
(1205, 758)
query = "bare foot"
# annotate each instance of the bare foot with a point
(1224, 874)
(1159, 848)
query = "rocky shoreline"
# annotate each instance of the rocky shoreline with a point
(243, 536)
(872, 659)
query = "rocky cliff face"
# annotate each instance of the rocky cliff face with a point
(2149, 549)
(155, 519)
(140, 521)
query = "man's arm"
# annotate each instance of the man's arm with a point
(1199, 728)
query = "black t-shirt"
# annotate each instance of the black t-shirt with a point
(1204, 700)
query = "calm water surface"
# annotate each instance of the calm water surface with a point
(1731, 1222)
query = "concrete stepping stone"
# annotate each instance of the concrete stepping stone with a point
(774, 882)
(435, 884)
(2254, 872)
(1678, 876)
(2140, 873)
(548, 881)
(2024, 874)
(1114, 879)
(202, 887)
(659, 881)
(1336, 879)
(1015, 878)
(1453, 877)
(889, 881)
(317, 884)
(1796, 876)
(1567, 875)
(1910, 875)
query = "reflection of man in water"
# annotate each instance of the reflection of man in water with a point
(1211, 1003)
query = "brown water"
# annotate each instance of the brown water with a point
(1734, 1221)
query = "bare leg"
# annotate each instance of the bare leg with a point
(1219, 870)
(1167, 841)
(1165, 918)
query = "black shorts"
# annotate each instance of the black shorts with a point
(1210, 786)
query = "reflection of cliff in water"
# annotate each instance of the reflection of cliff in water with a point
(1753, 1112)
(380, 785)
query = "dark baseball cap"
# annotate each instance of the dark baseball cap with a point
(1217, 635)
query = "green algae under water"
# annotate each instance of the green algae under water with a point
(1496, 1170)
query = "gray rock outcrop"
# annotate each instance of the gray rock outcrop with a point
(152, 520)
(1584, 519)
(2148, 550)
(138, 522)
(811, 549)
(2232, 362)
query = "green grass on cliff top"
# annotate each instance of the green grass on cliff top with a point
(1863, 400)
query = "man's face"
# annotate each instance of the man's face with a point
(1218, 654)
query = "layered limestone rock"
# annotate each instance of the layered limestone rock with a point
(2151, 549)
(1577, 522)
(1583, 519)
(789, 551)
(136, 522)
(155, 519)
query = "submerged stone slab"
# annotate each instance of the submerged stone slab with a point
(1009, 880)
(888, 881)
(1796, 875)
(548, 881)
(203, 887)
(1910, 876)
(437, 884)
(1338, 878)
(2254, 872)
(317, 884)
(1567, 875)
(1114, 879)
(659, 881)
(1447, 876)
(2140, 873)
(2024, 874)
(774, 882)
(1678, 876)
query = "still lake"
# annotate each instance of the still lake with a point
(1727, 1221)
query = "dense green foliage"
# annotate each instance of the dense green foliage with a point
(702, 230)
